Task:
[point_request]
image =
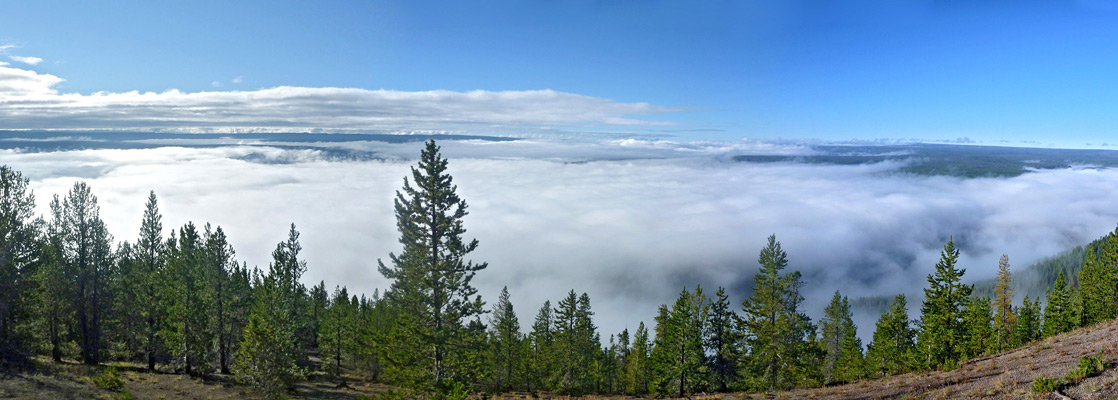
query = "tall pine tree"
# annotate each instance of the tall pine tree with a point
(1004, 316)
(892, 349)
(723, 342)
(431, 280)
(941, 326)
(1058, 314)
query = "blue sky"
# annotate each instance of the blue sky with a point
(1020, 73)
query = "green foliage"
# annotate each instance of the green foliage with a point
(505, 344)
(680, 365)
(190, 329)
(843, 361)
(892, 349)
(109, 379)
(1098, 282)
(1004, 317)
(431, 288)
(723, 342)
(637, 367)
(1088, 366)
(18, 248)
(1027, 327)
(336, 337)
(1058, 314)
(941, 326)
(269, 349)
(779, 356)
(1043, 384)
(541, 356)
(575, 346)
(977, 327)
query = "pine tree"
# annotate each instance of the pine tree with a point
(1098, 283)
(149, 254)
(977, 326)
(218, 258)
(941, 326)
(431, 281)
(843, 360)
(505, 343)
(88, 258)
(575, 344)
(319, 300)
(18, 257)
(270, 346)
(1004, 317)
(190, 332)
(637, 367)
(893, 344)
(335, 335)
(683, 367)
(723, 342)
(1058, 314)
(777, 330)
(541, 358)
(53, 289)
(1027, 327)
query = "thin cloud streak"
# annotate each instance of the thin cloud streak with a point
(30, 100)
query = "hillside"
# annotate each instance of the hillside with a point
(1006, 375)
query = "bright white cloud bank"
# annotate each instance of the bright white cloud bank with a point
(630, 232)
(30, 100)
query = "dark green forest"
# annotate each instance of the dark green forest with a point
(183, 304)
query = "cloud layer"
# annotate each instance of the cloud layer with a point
(631, 231)
(31, 100)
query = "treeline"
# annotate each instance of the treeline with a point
(184, 304)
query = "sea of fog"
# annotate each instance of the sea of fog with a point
(630, 222)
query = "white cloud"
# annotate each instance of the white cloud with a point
(215, 84)
(237, 79)
(629, 230)
(27, 60)
(29, 100)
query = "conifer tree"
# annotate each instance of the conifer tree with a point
(941, 325)
(843, 360)
(218, 259)
(1098, 282)
(575, 344)
(637, 366)
(723, 342)
(335, 335)
(978, 330)
(191, 333)
(18, 256)
(505, 343)
(270, 349)
(53, 289)
(1058, 313)
(88, 258)
(319, 301)
(778, 331)
(893, 344)
(1004, 317)
(682, 367)
(150, 257)
(431, 280)
(1027, 327)
(542, 356)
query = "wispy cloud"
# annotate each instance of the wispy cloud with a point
(237, 79)
(30, 100)
(27, 60)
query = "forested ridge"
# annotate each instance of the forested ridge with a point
(182, 303)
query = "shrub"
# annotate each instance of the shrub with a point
(1044, 384)
(110, 380)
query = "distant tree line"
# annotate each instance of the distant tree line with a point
(184, 304)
